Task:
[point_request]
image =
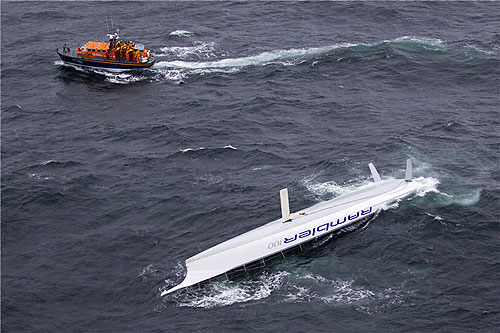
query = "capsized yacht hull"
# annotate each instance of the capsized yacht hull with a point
(295, 229)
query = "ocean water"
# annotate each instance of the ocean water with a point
(111, 180)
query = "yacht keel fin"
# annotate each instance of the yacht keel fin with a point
(285, 207)
(408, 175)
(375, 175)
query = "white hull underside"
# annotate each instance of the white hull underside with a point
(305, 225)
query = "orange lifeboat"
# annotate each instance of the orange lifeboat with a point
(114, 54)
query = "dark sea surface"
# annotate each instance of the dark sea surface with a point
(111, 180)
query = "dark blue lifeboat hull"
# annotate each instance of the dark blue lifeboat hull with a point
(103, 63)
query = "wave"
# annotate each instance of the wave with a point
(59, 164)
(54, 164)
(14, 107)
(191, 149)
(413, 43)
(462, 199)
(203, 148)
(181, 33)
(47, 162)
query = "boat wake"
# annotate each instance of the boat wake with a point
(265, 58)
(284, 57)
(199, 50)
(183, 66)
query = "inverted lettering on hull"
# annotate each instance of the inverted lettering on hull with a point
(323, 228)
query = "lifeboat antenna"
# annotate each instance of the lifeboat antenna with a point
(109, 19)
(113, 33)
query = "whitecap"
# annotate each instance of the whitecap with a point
(262, 167)
(210, 179)
(181, 33)
(203, 148)
(38, 176)
(47, 162)
(436, 217)
(420, 40)
(192, 149)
